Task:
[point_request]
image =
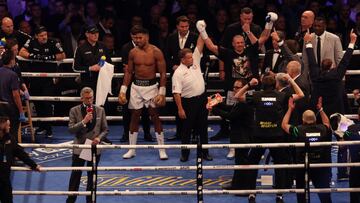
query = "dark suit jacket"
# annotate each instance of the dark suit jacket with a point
(328, 84)
(285, 56)
(241, 117)
(173, 48)
(81, 133)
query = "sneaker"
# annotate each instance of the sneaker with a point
(106, 141)
(252, 198)
(40, 131)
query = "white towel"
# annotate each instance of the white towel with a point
(103, 87)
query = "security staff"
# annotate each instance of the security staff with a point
(189, 94)
(42, 49)
(353, 133)
(10, 101)
(269, 105)
(87, 58)
(9, 150)
(311, 132)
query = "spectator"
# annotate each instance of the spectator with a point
(306, 23)
(10, 101)
(345, 24)
(43, 49)
(180, 39)
(8, 32)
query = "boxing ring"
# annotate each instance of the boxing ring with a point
(199, 167)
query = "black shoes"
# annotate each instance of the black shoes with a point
(105, 140)
(207, 157)
(184, 158)
(220, 135)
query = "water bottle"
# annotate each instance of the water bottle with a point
(3, 42)
(102, 61)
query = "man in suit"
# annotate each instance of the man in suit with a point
(326, 45)
(176, 41)
(277, 58)
(327, 83)
(86, 121)
(145, 121)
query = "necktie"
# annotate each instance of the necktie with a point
(182, 43)
(318, 51)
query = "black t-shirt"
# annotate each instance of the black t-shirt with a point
(238, 65)
(51, 47)
(21, 37)
(313, 133)
(9, 81)
(269, 110)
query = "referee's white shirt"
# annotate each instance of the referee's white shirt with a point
(189, 82)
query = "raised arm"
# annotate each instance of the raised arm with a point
(314, 68)
(342, 67)
(285, 122)
(201, 27)
(298, 92)
(253, 82)
(324, 118)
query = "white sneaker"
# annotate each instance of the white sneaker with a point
(231, 154)
(130, 154)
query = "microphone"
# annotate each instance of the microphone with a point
(89, 109)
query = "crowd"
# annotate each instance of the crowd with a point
(177, 37)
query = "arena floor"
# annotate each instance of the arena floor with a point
(139, 180)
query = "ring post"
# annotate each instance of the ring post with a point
(199, 172)
(306, 168)
(94, 173)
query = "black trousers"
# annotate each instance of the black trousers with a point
(12, 113)
(76, 176)
(279, 155)
(196, 119)
(320, 178)
(43, 87)
(5, 190)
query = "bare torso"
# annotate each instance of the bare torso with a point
(145, 62)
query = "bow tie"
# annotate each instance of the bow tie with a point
(277, 52)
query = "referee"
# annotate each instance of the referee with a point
(189, 94)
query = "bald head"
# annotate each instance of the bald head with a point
(307, 19)
(7, 25)
(309, 117)
(293, 68)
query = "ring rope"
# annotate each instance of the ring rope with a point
(187, 192)
(190, 146)
(189, 168)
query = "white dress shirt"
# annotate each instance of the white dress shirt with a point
(189, 82)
